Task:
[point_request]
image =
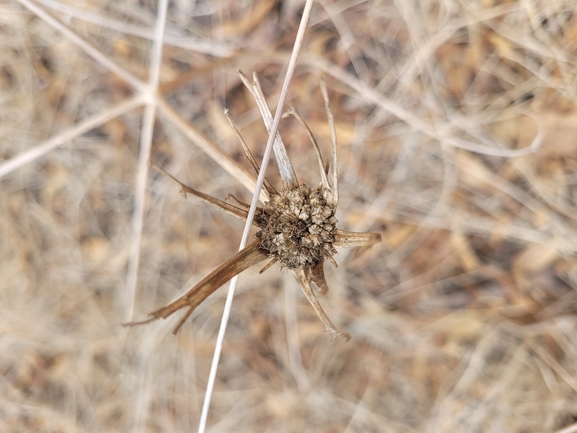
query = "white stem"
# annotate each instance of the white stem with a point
(253, 205)
(142, 401)
(143, 158)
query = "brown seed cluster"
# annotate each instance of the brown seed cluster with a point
(298, 227)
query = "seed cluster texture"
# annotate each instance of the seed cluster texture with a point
(297, 227)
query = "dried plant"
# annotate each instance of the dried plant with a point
(297, 225)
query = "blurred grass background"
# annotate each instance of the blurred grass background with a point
(456, 125)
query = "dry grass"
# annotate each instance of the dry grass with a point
(456, 124)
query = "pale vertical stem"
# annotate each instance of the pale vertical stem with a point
(59, 140)
(272, 134)
(142, 402)
(143, 158)
(156, 58)
(138, 215)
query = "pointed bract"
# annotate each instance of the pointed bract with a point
(303, 281)
(334, 162)
(251, 255)
(323, 174)
(285, 166)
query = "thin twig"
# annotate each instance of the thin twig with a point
(272, 135)
(89, 49)
(143, 158)
(142, 403)
(324, 181)
(59, 140)
(227, 207)
(209, 148)
(254, 165)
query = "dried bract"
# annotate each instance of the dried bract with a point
(297, 225)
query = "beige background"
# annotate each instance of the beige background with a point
(456, 128)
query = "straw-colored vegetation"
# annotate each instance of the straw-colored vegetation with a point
(456, 128)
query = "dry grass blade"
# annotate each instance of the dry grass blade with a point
(251, 255)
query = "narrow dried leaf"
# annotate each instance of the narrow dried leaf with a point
(242, 260)
(268, 265)
(227, 207)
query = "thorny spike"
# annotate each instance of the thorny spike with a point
(335, 179)
(254, 165)
(324, 181)
(303, 281)
(333, 261)
(285, 166)
(227, 207)
(182, 320)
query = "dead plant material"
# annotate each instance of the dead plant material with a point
(297, 225)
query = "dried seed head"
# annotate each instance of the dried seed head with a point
(298, 227)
